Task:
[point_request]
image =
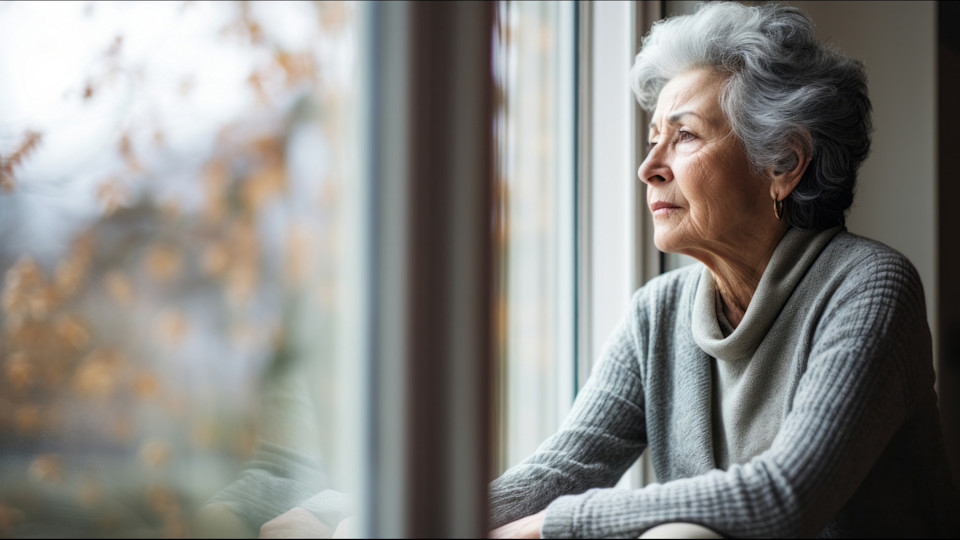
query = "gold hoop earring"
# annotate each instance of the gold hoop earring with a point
(778, 208)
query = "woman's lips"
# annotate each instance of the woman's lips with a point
(660, 208)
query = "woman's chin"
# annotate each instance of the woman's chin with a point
(664, 241)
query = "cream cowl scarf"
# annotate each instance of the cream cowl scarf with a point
(752, 385)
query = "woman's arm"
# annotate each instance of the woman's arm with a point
(284, 471)
(600, 438)
(869, 359)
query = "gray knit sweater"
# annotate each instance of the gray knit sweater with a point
(816, 416)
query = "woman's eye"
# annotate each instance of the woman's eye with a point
(686, 136)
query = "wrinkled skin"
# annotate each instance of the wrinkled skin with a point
(720, 210)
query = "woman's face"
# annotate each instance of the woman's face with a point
(706, 201)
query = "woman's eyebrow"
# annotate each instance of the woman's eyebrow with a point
(675, 117)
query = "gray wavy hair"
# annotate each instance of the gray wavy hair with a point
(783, 84)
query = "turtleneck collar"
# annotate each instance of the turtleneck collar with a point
(789, 263)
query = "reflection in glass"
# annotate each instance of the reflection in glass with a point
(173, 250)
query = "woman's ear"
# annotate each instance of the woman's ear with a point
(783, 182)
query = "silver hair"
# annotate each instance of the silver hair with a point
(783, 84)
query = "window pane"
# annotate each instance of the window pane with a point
(536, 156)
(175, 253)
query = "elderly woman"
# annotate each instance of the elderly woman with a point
(784, 385)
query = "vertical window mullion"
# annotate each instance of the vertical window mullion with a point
(432, 187)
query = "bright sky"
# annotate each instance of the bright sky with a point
(178, 73)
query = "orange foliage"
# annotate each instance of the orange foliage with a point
(31, 140)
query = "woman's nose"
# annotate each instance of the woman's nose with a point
(654, 168)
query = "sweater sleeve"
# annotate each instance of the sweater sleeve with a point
(275, 480)
(870, 348)
(603, 434)
(285, 470)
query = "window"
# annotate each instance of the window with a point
(176, 253)
(615, 230)
(536, 234)
(574, 238)
(246, 255)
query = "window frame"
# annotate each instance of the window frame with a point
(429, 192)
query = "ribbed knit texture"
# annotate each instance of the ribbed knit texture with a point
(857, 452)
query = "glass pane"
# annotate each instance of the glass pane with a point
(536, 152)
(175, 252)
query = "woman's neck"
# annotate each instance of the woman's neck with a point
(737, 269)
(735, 294)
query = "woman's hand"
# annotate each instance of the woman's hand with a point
(528, 527)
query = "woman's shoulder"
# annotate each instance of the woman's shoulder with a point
(671, 283)
(859, 273)
(861, 246)
(669, 292)
(865, 258)
(660, 309)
